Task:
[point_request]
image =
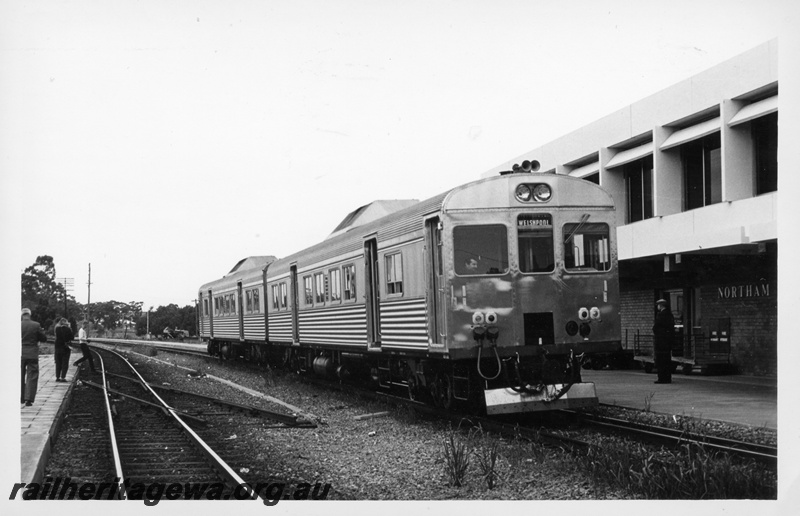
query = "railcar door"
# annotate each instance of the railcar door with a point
(294, 304)
(240, 307)
(372, 285)
(435, 289)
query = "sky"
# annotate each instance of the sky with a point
(161, 142)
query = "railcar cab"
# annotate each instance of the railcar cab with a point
(531, 286)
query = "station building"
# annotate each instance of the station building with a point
(693, 170)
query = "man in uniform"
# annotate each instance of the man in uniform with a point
(32, 335)
(663, 330)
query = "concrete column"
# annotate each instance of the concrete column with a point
(667, 176)
(613, 181)
(738, 158)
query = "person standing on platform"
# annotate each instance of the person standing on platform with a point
(32, 335)
(84, 342)
(663, 334)
(62, 350)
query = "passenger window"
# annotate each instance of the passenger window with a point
(309, 290)
(335, 284)
(480, 250)
(394, 273)
(256, 301)
(535, 242)
(275, 297)
(284, 303)
(319, 288)
(586, 247)
(349, 282)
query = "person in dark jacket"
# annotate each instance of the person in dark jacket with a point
(62, 350)
(663, 331)
(32, 335)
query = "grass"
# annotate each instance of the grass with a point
(689, 472)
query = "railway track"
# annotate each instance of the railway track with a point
(153, 443)
(639, 431)
(658, 434)
(572, 441)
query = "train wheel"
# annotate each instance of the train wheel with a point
(413, 387)
(444, 388)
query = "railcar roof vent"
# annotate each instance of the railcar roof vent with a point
(251, 262)
(370, 212)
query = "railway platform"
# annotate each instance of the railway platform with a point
(738, 399)
(40, 422)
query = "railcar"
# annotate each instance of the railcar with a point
(490, 294)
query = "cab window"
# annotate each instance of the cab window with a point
(535, 242)
(586, 247)
(480, 250)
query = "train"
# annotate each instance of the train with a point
(490, 295)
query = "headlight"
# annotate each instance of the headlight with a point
(523, 193)
(583, 314)
(594, 313)
(542, 193)
(477, 318)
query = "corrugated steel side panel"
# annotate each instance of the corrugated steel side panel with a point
(341, 325)
(226, 328)
(280, 327)
(404, 324)
(254, 327)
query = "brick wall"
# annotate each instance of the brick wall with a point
(754, 323)
(636, 313)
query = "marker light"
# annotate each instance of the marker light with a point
(491, 318)
(583, 314)
(594, 313)
(477, 318)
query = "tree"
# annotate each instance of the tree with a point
(111, 314)
(43, 295)
(170, 316)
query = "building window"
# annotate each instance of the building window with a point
(394, 273)
(535, 242)
(593, 178)
(319, 288)
(284, 302)
(256, 301)
(586, 247)
(639, 187)
(309, 290)
(349, 272)
(702, 172)
(765, 142)
(335, 284)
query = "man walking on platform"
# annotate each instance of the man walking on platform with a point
(32, 335)
(663, 331)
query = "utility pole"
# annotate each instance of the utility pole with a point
(89, 296)
(69, 284)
